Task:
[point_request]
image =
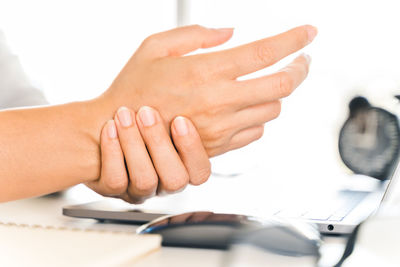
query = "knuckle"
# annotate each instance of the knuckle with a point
(201, 175)
(176, 184)
(146, 185)
(264, 54)
(117, 184)
(285, 83)
(150, 41)
(197, 27)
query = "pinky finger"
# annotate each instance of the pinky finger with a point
(246, 137)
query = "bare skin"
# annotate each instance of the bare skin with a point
(153, 165)
(227, 113)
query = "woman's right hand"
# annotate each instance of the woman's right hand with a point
(153, 165)
(227, 112)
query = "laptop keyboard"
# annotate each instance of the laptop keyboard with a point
(333, 210)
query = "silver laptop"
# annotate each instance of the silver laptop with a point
(343, 212)
(339, 215)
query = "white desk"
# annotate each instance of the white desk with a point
(46, 211)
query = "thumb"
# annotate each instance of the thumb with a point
(183, 40)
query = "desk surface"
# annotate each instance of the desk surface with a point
(46, 211)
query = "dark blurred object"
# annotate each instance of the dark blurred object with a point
(273, 245)
(55, 194)
(369, 141)
(285, 240)
(219, 231)
(198, 229)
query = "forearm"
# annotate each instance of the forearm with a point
(49, 148)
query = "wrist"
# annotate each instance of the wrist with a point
(98, 111)
(89, 118)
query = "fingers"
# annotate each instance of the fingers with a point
(191, 150)
(256, 115)
(257, 55)
(171, 171)
(245, 137)
(183, 40)
(272, 87)
(114, 179)
(121, 137)
(142, 176)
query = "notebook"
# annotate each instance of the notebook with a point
(25, 245)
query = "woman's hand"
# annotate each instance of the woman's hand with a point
(51, 148)
(152, 163)
(227, 113)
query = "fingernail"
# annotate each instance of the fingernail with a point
(312, 32)
(147, 116)
(181, 126)
(307, 57)
(111, 130)
(124, 116)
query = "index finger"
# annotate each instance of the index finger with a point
(248, 58)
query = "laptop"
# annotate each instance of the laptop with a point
(340, 215)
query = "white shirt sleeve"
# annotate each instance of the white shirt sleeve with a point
(15, 88)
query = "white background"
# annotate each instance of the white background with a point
(73, 49)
